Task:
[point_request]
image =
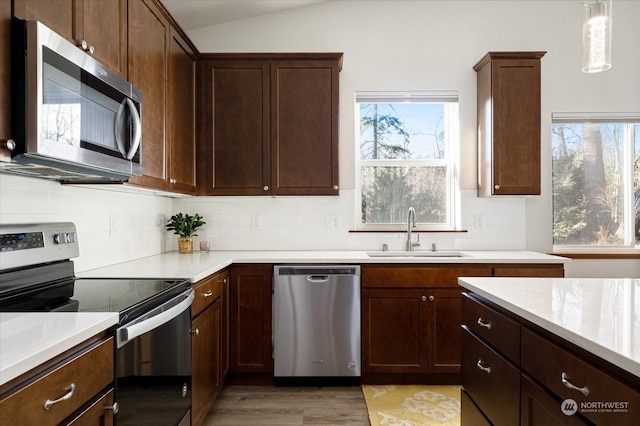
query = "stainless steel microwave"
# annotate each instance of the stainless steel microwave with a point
(73, 119)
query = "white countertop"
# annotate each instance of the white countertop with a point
(29, 339)
(199, 265)
(599, 315)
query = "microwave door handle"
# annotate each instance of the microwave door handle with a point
(118, 127)
(154, 319)
(137, 136)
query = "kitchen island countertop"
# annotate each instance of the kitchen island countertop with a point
(199, 265)
(30, 339)
(599, 315)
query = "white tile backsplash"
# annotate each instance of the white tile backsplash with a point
(118, 226)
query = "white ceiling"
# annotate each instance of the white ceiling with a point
(191, 14)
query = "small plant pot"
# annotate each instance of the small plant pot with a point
(185, 245)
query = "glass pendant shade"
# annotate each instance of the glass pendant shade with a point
(596, 36)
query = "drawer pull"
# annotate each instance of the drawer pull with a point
(483, 367)
(569, 385)
(208, 293)
(115, 408)
(49, 403)
(485, 324)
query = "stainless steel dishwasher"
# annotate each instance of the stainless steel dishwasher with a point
(316, 311)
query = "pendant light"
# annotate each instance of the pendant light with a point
(596, 36)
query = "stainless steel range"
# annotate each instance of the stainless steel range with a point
(153, 340)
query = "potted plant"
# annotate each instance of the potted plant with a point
(185, 226)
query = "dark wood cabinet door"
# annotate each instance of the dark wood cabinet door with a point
(509, 123)
(205, 350)
(538, 408)
(59, 15)
(394, 331)
(444, 321)
(251, 289)
(233, 128)
(103, 25)
(148, 47)
(181, 116)
(304, 127)
(516, 126)
(5, 78)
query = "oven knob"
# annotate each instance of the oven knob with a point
(71, 237)
(60, 238)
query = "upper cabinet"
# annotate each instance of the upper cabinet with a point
(98, 27)
(509, 123)
(268, 124)
(162, 66)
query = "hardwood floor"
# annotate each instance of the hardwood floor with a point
(274, 406)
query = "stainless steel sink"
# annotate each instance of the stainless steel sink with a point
(416, 254)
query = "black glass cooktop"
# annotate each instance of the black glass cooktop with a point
(126, 296)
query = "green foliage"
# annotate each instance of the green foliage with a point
(185, 225)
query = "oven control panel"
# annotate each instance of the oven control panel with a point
(30, 244)
(21, 241)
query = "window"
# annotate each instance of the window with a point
(407, 145)
(596, 180)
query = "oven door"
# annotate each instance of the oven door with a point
(153, 366)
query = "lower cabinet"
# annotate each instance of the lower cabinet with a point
(532, 385)
(209, 345)
(411, 331)
(411, 322)
(250, 320)
(77, 388)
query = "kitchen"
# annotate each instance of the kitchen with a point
(413, 53)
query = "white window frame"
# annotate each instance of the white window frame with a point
(629, 213)
(452, 138)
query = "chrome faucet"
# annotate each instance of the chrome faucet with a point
(411, 222)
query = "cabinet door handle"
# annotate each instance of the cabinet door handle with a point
(423, 298)
(208, 293)
(569, 385)
(482, 366)
(49, 403)
(265, 188)
(485, 324)
(432, 298)
(195, 332)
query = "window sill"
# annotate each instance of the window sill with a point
(413, 231)
(575, 254)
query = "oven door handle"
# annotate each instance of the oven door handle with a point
(155, 318)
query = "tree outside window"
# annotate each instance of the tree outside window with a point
(405, 154)
(596, 182)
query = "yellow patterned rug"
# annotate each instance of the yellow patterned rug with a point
(412, 405)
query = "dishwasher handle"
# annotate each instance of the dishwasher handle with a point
(317, 278)
(155, 318)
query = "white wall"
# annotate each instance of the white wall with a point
(387, 45)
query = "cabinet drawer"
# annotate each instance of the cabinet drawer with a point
(470, 414)
(89, 373)
(498, 330)
(490, 381)
(602, 388)
(419, 276)
(206, 292)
